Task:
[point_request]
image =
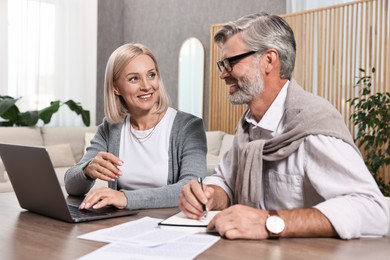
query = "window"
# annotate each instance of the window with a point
(50, 45)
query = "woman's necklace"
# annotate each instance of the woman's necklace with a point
(146, 137)
(143, 138)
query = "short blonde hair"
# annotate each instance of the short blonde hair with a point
(115, 108)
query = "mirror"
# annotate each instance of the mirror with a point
(191, 70)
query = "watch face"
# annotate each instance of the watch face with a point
(275, 224)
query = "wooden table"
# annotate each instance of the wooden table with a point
(25, 235)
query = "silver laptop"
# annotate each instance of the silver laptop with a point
(38, 190)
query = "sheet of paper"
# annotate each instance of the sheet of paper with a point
(180, 219)
(142, 232)
(186, 248)
(180, 222)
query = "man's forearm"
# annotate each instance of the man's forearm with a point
(306, 223)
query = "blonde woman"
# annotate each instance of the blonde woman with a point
(144, 149)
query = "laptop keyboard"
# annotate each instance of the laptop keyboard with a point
(75, 212)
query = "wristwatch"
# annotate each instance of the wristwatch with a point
(274, 224)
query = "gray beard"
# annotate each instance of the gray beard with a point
(247, 89)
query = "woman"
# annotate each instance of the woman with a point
(144, 149)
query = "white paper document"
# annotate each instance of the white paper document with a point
(142, 232)
(186, 248)
(142, 239)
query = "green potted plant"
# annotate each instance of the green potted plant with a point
(12, 116)
(371, 117)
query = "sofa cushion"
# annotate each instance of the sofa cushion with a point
(6, 186)
(21, 135)
(87, 140)
(61, 155)
(69, 135)
(3, 174)
(214, 140)
(60, 172)
(227, 143)
(212, 162)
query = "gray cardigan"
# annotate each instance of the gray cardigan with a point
(187, 160)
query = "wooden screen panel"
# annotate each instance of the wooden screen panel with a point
(222, 115)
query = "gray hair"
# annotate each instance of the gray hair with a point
(262, 32)
(115, 108)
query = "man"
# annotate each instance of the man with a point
(293, 170)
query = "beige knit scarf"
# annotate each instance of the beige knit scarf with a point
(305, 114)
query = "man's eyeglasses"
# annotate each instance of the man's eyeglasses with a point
(228, 62)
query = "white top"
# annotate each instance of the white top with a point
(324, 172)
(145, 160)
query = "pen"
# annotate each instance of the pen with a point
(204, 205)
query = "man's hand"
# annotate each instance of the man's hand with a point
(244, 222)
(240, 221)
(192, 198)
(102, 197)
(104, 167)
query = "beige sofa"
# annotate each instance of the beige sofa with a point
(218, 143)
(66, 146)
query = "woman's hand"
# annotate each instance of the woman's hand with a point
(104, 166)
(102, 197)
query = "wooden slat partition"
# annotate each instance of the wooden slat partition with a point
(332, 44)
(222, 115)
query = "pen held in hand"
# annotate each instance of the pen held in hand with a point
(204, 205)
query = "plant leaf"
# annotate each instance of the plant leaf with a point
(46, 113)
(78, 109)
(28, 118)
(6, 103)
(371, 117)
(6, 123)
